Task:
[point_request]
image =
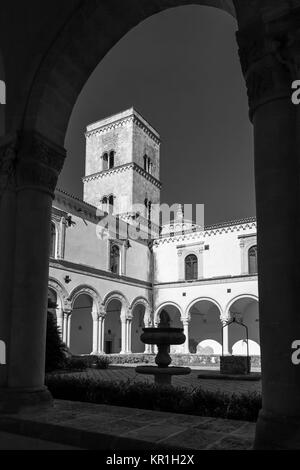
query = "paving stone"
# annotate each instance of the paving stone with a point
(232, 443)
(189, 420)
(156, 432)
(192, 439)
(221, 425)
(92, 426)
(247, 431)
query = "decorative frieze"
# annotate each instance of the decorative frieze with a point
(121, 123)
(123, 169)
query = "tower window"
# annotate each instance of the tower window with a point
(115, 259)
(111, 201)
(104, 204)
(53, 241)
(148, 209)
(108, 204)
(111, 160)
(191, 268)
(105, 161)
(252, 259)
(148, 164)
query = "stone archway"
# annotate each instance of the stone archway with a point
(205, 327)
(244, 309)
(141, 318)
(117, 335)
(269, 50)
(81, 325)
(175, 314)
(59, 295)
(83, 321)
(70, 71)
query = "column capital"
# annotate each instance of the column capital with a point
(28, 160)
(67, 307)
(186, 320)
(8, 157)
(101, 314)
(225, 320)
(270, 58)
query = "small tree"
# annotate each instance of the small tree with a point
(56, 350)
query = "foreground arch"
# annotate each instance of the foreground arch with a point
(37, 113)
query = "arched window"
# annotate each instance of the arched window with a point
(147, 164)
(111, 160)
(252, 257)
(191, 267)
(105, 161)
(115, 259)
(111, 201)
(149, 210)
(104, 204)
(53, 241)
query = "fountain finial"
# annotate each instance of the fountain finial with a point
(165, 320)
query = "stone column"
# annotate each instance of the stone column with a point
(35, 172)
(123, 335)
(8, 202)
(95, 334)
(60, 321)
(129, 337)
(225, 337)
(269, 53)
(101, 334)
(186, 346)
(66, 310)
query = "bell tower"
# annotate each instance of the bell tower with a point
(122, 173)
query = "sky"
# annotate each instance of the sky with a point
(180, 69)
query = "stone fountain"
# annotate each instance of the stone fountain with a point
(163, 337)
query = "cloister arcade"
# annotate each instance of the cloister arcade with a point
(89, 325)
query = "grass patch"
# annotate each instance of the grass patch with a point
(152, 397)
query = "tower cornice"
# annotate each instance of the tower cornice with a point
(131, 116)
(121, 169)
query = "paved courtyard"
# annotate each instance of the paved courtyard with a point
(121, 373)
(102, 427)
(71, 425)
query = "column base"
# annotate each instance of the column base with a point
(275, 432)
(13, 400)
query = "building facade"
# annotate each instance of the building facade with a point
(114, 268)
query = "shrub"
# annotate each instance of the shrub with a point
(75, 363)
(152, 397)
(100, 362)
(56, 350)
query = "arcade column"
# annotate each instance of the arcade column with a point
(28, 184)
(270, 58)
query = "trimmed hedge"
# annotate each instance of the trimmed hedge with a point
(80, 363)
(177, 359)
(152, 397)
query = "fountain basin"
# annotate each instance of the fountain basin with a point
(163, 375)
(155, 370)
(159, 336)
(163, 337)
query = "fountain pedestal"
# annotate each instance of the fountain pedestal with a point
(163, 337)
